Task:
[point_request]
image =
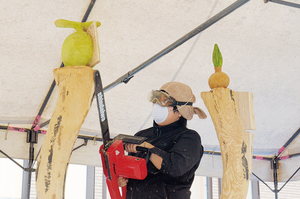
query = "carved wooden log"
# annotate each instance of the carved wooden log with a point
(76, 89)
(235, 142)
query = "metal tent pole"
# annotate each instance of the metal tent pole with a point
(255, 189)
(209, 189)
(274, 166)
(104, 190)
(126, 77)
(90, 182)
(24, 194)
(219, 187)
(286, 3)
(287, 144)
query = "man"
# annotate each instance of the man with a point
(175, 151)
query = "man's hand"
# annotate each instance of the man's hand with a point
(155, 159)
(131, 148)
(122, 182)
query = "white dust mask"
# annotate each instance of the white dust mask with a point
(159, 113)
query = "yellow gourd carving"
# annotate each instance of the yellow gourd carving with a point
(219, 78)
(77, 49)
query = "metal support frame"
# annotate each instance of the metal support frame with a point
(30, 164)
(275, 167)
(288, 143)
(25, 190)
(22, 167)
(209, 189)
(286, 3)
(255, 189)
(84, 144)
(90, 182)
(219, 187)
(104, 190)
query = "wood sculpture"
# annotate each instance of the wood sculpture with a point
(235, 142)
(76, 91)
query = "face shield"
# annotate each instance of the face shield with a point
(164, 99)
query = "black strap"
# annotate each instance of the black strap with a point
(183, 103)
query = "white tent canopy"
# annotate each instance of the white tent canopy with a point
(259, 42)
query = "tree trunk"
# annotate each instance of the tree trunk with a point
(235, 142)
(76, 89)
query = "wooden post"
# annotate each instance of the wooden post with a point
(244, 102)
(76, 90)
(92, 31)
(235, 142)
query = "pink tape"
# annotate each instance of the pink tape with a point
(37, 119)
(259, 157)
(284, 157)
(37, 128)
(16, 129)
(43, 132)
(280, 150)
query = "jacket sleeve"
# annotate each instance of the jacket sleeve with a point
(183, 156)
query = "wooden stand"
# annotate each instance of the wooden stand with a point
(235, 142)
(244, 102)
(76, 89)
(92, 31)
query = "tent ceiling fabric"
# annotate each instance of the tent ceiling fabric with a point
(259, 42)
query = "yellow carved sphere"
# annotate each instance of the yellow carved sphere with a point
(218, 79)
(77, 49)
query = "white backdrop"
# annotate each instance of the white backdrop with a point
(259, 42)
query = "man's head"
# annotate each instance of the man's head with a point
(179, 96)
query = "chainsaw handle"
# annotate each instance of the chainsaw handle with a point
(142, 149)
(145, 151)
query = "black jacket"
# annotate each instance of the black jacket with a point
(181, 151)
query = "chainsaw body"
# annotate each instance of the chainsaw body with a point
(114, 161)
(116, 164)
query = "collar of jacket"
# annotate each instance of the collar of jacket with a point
(168, 128)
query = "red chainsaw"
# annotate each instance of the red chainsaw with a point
(114, 161)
